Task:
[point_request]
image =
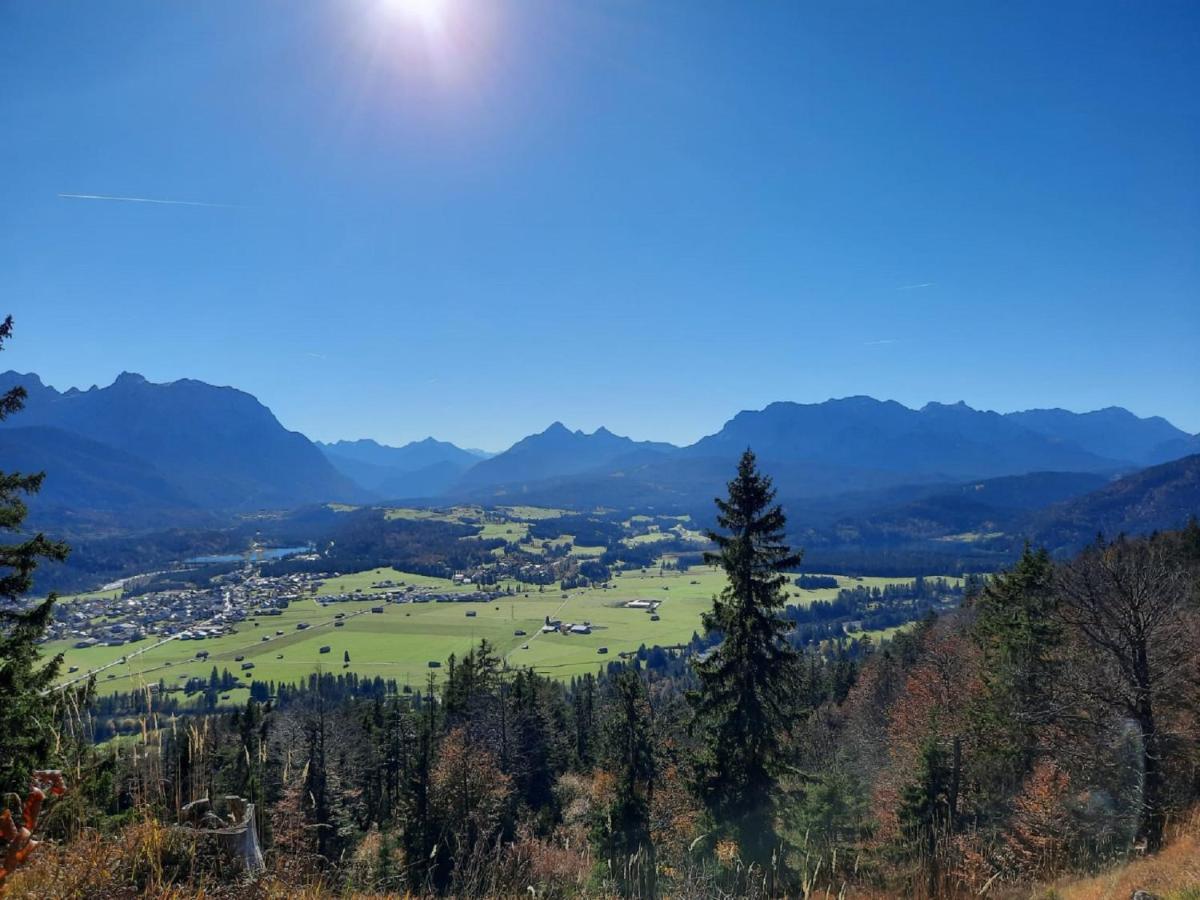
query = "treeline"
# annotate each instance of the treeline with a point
(816, 582)
(902, 560)
(92, 561)
(1003, 740)
(589, 531)
(874, 608)
(368, 539)
(495, 780)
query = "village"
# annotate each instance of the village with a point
(203, 613)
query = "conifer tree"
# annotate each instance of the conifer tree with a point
(621, 832)
(25, 737)
(418, 836)
(583, 697)
(1020, 636)
(927, 810)
(745, 702)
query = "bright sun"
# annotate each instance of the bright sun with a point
(429, 14)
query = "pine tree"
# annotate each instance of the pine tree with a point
(621, 832)
(1020, 636)
(418, 837)
(747, 684)
(25, 739)
(583, 697)
(927, 810)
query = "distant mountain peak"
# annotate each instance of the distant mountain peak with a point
(856, 400)
(1113, 431)
(554, 453)
(218, 447)
(960, 404)
(25, 379)
(418, 469)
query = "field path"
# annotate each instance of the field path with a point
(539, 633)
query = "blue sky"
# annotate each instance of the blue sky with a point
(471, 219)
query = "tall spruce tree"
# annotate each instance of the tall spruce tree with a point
(25, 736)
(621, 830)
(749, 683)
(1020, 637)
(927, 811)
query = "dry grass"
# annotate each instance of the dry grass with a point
(1172, 874)
(151, 860)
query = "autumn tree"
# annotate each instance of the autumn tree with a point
(919, 796)
(744, 704)
(1129, 603)
(469, 795)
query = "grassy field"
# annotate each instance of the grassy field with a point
(651, 537)
(400, 642)
(455, 514)
(113, 594)
(508, 531)
(533, 512)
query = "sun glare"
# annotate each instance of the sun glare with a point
(430, 15)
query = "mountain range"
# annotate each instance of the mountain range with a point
(420, 469)
(817, 450)
(140, 454)
(192, 445)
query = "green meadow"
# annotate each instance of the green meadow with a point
(401, 641)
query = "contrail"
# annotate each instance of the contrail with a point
(915, 287)
(147, 200)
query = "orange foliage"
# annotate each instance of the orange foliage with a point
(934, 703)
(469, 790)
(1039, 826)
(18, 840)
(674, 815)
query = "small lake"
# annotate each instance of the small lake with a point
(260, 554)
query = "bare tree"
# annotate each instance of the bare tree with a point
(1129, 603)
